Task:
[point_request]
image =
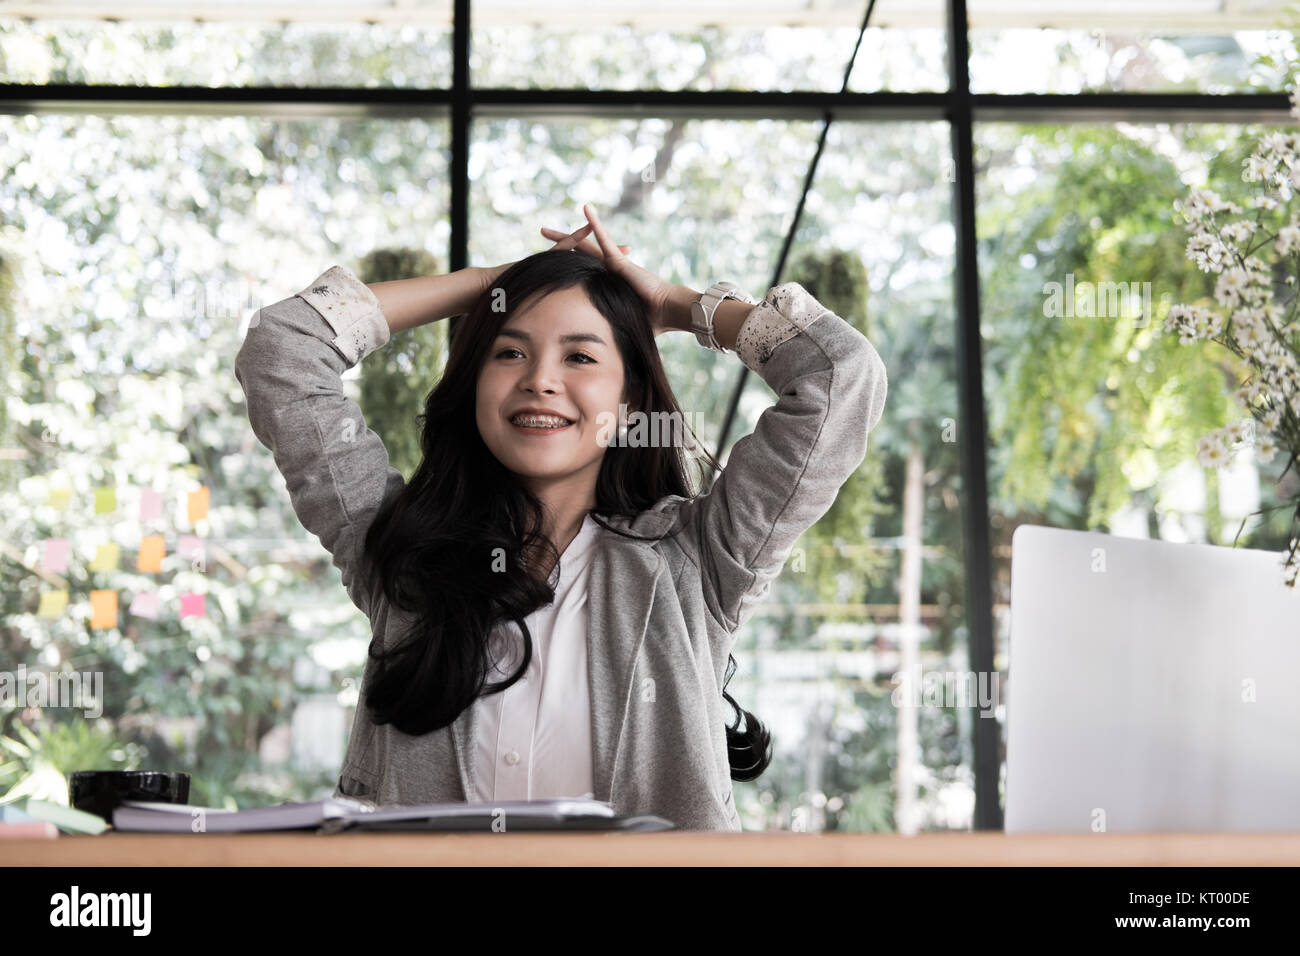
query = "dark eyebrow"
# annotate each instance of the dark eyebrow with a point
(574, 337)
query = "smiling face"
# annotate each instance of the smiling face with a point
(557, 353)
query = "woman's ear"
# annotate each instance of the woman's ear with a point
(633, 404)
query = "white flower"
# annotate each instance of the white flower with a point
(1288, 240)
(1202, 203)
(1239, 231)
(1255, 168)
(1231, 287)
(1271, 419)
(1295, 102)
(1249, 392)
(1265, 202)
(1205, 249)
(1265, 449)
(1257, 269)
(1275, 143)
(1289, 379)
(1195, 207)
(1192, 322)
(1210, 451)
(1249, 336)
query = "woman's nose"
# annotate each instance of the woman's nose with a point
(541, 376)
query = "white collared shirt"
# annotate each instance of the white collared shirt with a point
(533, 739)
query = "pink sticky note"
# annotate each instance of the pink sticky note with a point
(189, 546)
(55, 557)
(151, 504)
(193, 605)
(145, 604)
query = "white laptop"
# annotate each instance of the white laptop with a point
(1151, 686)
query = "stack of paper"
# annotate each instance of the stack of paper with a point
(336, 814)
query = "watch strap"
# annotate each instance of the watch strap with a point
(708, 303)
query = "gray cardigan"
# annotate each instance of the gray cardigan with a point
(663, 615)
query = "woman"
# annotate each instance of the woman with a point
(554, 608)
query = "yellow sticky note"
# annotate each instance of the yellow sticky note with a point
(198, 504)
(53, 604)
(105, 557)
(151, 553)
(103, 609)
(59, 498)
(105, 500)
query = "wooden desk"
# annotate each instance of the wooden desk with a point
(777, 848)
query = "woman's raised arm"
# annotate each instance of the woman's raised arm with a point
(784, 476)
(290, 365)
(407, 303)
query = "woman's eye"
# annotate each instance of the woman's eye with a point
(582, 355)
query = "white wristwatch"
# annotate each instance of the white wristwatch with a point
(702, 310)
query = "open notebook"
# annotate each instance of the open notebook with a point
(336, 814)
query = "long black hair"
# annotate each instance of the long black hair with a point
(430, 547)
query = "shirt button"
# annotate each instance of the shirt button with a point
(512, 758)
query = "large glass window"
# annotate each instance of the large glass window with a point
(158, 43)
(150, 541)
(1146, 46)
(771, 45)
(1095, 414)
(818, 660)
(134, 248)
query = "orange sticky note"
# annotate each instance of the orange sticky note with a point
(53, 604)
(151, 553)
(198, 504)
(103, 609)
(105, 557)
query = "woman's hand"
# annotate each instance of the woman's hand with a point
(661, 298)
(572, 240)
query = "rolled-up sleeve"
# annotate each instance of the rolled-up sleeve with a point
(336, 469)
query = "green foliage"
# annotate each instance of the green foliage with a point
(1103, 405)
(396, 380)
(35, 761)
(8, 365)
(834, 560)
